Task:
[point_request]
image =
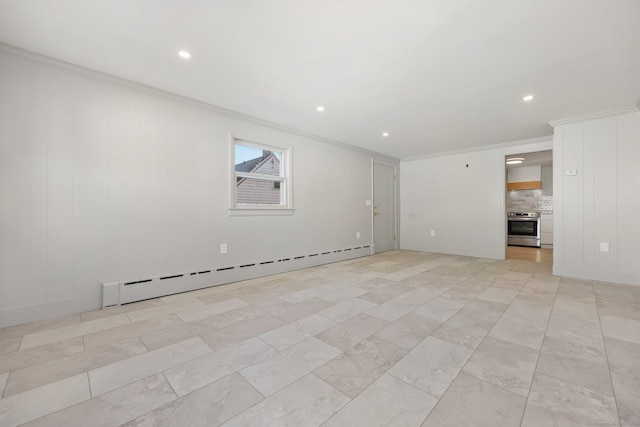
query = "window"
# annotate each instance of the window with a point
(260, 176)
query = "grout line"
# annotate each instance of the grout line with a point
(535, 369)
(606, 356)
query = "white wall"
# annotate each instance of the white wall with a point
(464, 205)
(102, 181)
(601, 203)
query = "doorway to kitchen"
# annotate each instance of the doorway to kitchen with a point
(529, 206)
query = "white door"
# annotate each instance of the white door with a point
(384, 207)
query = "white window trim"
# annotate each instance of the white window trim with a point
(286, 163)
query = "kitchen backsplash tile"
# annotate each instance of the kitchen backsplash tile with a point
(529, 201)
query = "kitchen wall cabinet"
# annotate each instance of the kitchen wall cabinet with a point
(524, 178)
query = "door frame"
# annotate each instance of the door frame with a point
(396, 243)
(546, 144)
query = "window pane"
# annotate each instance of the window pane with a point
(258, 191)
(255, 160)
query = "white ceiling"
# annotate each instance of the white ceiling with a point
(438, 75)
(539, 158)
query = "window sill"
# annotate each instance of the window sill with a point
(260, 212)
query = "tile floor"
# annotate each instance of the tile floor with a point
(397, 339)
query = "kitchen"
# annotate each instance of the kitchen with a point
(529, 206)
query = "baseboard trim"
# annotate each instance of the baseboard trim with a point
(158, 286)
(601, 276)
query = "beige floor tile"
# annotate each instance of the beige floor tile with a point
(168, 308)
(304, 294)
(7, 345)
(307, 402)
(39, 326)
(501, 295)
(209, 368)
(421, 295)
(577, 364)
(3, 381)
(119, 309)
(471, 402)
(469, 338)
(439, 308)
(135, 329)
(465, 329)
(388, 402)
(30, 405)
(408, 331)
(553, 402)
(71, 331)
(296, 332)
(183, 331)
(393, 309)
(527, 309)
(623, 357)
(282, 369)
(209, 406)
(113, 408)
(577, 309)
(346, 310)
(541, 296)
(627, 392)
(54, 370)
(343, 294)
(116, 375)
(35, 355)
(211, 309)
(300, 310)
(496, 315)
(383, 294)
(264, 307)
(360, 366)
(240, 331)
(352, 331)
(504, 364)
(575, 330)
(629, 310)
(520, 330)
(621, 328)
(487, 312)
(432, 365)
(581, 292)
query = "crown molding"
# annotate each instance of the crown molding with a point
(543, 141)
(617, 112)
(169, 96)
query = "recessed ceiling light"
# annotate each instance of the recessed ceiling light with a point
(515, 160)
(385, 134)
(527, 98)
(184, 54)
(320, 108)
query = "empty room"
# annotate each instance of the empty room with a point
(319, 213)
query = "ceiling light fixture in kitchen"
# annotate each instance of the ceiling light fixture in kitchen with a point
(320, 108)
(528, 98)
(184, 54)
(515, 160)
(385, 134)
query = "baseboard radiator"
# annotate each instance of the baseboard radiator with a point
(127, 291)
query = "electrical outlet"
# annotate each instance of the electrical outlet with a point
(433, 233)
(357, 235)
(223, 248)
(604, 246)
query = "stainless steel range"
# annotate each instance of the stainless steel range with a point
(523, 229)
